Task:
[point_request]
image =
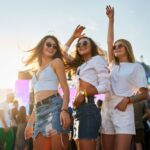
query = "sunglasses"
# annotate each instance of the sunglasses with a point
(84, 43)
(49, 45)
(118, 46)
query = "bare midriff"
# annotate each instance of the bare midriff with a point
(83, 85)
(39, 96)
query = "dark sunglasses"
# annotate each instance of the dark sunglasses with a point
(84, 43)
(49, 45)
(118, 46)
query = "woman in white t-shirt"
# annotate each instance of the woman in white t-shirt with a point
(129, 85)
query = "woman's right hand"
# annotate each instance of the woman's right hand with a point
(123, 104)
(28, 132)
(110, 12)
(78, 32)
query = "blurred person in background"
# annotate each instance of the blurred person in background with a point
(139, 109)
(22, 122)
(6, 132)
(14, 114)
(146, 119)
(99, 106)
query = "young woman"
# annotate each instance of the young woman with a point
(50, 113)
(93, 78)
(129, 85)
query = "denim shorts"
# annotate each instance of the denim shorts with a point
(87, 121)
(48, 118)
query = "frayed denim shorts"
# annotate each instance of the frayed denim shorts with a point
(87, 121)
(48, 118)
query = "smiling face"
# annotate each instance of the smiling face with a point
(119, 50)
(49, 47)
(84, 47)
(123, 52)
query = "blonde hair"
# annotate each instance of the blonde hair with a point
(129, 51)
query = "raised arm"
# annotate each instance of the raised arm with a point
(78, 32)
(110, 35)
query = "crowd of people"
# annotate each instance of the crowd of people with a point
(120, 122)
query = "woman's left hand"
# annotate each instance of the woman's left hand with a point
(123, 104)
(65, 119)
(78, 32)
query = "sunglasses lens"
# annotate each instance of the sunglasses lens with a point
(117, 46)
(120, 46)
(51, 46)
(84, 43)
(48, 45)
(54, 46)
(114, 47)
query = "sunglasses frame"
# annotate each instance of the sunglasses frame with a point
(84, 43)
(118, 46)
(49, 45)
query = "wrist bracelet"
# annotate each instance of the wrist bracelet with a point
(85, 93)
(66, 110)
(130, 101)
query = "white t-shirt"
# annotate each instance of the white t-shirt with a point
(127, 78)
(4, 106)
(95, 71)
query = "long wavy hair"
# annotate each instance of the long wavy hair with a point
(78, 59)
(35, 55)
(129, 51)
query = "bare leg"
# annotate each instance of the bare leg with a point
(42, 142)
(123, 141)
(60, 142)
(86, 144)
(139, 146)
(108, 142)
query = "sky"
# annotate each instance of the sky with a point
(24, 23)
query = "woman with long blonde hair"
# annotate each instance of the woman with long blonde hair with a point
(129, 85)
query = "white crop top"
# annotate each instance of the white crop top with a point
(95, 72)
(127, 78)
(47, 80)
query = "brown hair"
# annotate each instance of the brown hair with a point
(129, 51)
(78, 59)
(36, 52)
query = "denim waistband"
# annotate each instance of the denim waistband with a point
(46, 100)
(90, 99)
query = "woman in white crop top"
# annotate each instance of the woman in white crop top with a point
(50, 113)
(93, 78)
(129, 85)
